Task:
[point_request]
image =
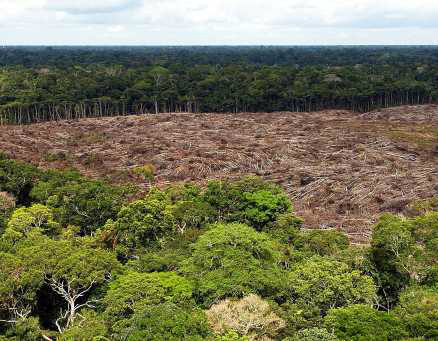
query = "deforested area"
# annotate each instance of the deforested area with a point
(342, 169)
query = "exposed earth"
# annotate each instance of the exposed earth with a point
(341, 169)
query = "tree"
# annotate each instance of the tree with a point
(7, 204)
(249, 201)
(166, 322)
(25, 329)
(140, 224)
(404, 251)
(362, 323)
(322, 243)
(17, 178)
(234, 260)
(159, 75)
(72, 269)
(133, 291)
(91, 327)
(37, 217)
(251, 317)
(84, 203)
(418, 309)
(19, 284)
(313, 334)
(192, 213)
(320, 284)
(392, 256)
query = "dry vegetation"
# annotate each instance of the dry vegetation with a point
(251, 316)
(342, 169)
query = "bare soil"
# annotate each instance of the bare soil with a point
(341, 169)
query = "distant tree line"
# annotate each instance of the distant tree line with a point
(70, 86)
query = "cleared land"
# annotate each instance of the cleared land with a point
(342, 169)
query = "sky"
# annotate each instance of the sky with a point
(218, 22)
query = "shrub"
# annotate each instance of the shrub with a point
(146, 171)
(250, 316)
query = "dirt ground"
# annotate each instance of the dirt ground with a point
(341, 169)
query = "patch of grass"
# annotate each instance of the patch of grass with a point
(147, 172)
(422, 136)
(93, 160)
(57, 155)
(87, 138)
(420, 207)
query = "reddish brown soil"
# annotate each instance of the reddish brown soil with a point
(341, 169)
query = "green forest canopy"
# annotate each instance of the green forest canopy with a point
(52, 83)
(229, 261)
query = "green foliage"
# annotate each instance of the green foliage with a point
(168, 256)
(35, 218)
(19, 284)
(319, 284)
(250, 201)
(421, 207)
(24, 330)
(133, 291)
(7, 205)
(404, 251)
(287, 228)
(323, 243)
(103, 82)
(72, 269)
(140, 224)
(146, 171)
(234, 260)
(91, 327)
(192, 213)
(166, 322)
(84, 203)
(231, 336)
(18, 178)
(363, 323)
(391, 254)
(316, 285)
(313, 334)
(262, 280)
(418, 309)
(74, 200)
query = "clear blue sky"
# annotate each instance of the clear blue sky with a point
(213, 22)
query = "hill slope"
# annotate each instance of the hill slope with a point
(342, 169)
